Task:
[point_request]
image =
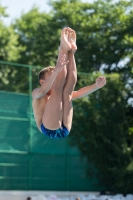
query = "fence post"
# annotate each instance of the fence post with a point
(30, 123)
(67, 170)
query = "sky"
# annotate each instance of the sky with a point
(16, 7)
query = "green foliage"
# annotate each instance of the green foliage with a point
(101, 131)
(37, 35)
(3, 12)
(104, 31)
(9, 49)
(8, 44)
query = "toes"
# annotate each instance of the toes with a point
(63, 32)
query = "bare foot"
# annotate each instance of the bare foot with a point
(65, 45)
(72, 40)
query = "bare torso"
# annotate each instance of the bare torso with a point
(38, 106)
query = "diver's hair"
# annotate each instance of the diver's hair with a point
(42, 73)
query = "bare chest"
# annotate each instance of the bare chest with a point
(38, 109)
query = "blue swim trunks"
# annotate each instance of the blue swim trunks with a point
(60, 133)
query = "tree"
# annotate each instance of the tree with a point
(9, 51)
(103, 133)
(104, 36)
(8, 40)
(37, 35)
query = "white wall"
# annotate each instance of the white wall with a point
(22, 195)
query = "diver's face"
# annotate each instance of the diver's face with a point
(48, 74)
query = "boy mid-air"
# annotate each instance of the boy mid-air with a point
(52, 102)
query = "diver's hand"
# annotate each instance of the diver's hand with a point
(100, 82)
